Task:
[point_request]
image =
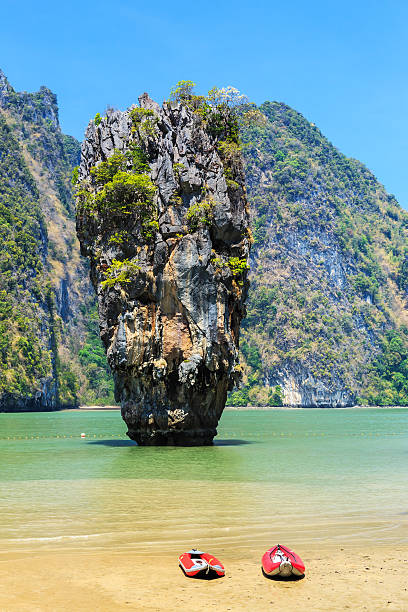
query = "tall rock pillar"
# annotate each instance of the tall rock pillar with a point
(162, 216)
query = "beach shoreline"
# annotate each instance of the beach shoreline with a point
(337, 578)
(95, 523)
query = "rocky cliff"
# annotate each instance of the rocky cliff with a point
(162, 216)
(327, 308)
(50, 354)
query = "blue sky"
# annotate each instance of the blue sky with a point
(341, 64)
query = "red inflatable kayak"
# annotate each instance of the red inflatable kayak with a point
(281, 561)
(194, 562)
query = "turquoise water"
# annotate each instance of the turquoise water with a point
(300, 476)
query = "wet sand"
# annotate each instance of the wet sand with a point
(373, 579)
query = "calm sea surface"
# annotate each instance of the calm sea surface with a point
(300, 477)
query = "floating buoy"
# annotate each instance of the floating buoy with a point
(83, 435)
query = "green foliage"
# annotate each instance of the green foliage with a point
(260, 229)
(402, 270)
(97, 119)
(75, 175)
(98, 388)
(218, 110)
(104, 172)
(177, 168)
(144, 121)
(365, 285)
(71, 150)
(238, 398)
(183, 91)
(135, 158)
(389, 372)
(230, 153)
(119, 273)
(123, 187)
(24, 358)
(68, 385)
(330, 256)
(137, 114)
(138, 159)
(222, 124)
(118, 237)
(37, 347)
(262, 307)
(200, 214)
(238, 267)
(126, 190)
(275, 397)
(252, 355)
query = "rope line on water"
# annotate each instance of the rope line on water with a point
(64, 436)
(232, 435)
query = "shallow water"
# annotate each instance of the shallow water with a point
(299, 476)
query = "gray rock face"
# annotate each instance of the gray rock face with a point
(43, 400)
(319, 255)
(170, 324)
(5, 87)
(300, 388)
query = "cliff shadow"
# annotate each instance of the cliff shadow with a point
(122, 443)
(231, 442)
(112, 443)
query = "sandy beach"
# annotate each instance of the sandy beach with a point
(97, 524)
(373, 579)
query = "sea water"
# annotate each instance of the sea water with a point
(300, 477)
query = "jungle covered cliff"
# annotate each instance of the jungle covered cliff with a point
(50, 352)
(327, 308)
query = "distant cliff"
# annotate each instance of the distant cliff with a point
(162, 215)
(327, 307)
(327, 320)
(50, 352)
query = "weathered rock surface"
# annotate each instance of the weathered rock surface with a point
(301, 388)
(47, 299)
(327, 308)
(171, 325)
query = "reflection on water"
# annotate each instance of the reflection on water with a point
(297, 476)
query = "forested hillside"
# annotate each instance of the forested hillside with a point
(327, 321)
(327, 309)
(50, 352)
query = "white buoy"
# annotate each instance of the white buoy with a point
(83, 435)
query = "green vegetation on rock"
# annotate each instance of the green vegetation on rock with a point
(45, 297)
(327, 304)
(25, 356)
(327, 310)
(119, 272)
(200, 214)
(144, 121)
(122, 186)
(99, 382)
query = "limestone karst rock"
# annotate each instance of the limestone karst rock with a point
(327, 309)
(44, 294)
(162, 216)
